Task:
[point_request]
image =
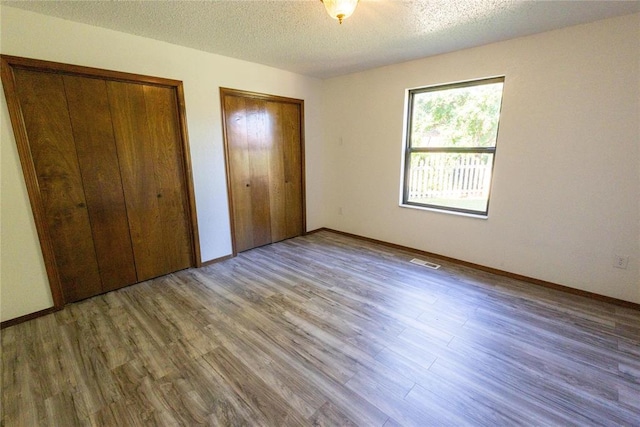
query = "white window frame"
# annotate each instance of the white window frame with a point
(407, 149)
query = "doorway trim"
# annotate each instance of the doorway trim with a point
(224, 92)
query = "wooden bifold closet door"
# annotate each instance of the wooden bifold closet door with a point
(107, 174)
(264, 149)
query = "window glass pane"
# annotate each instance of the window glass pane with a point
(458, 181)
(456, 117)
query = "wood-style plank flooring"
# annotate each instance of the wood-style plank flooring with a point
(325, 330)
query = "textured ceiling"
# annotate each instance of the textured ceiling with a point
(299, 36)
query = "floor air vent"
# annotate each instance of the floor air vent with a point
(427, 264)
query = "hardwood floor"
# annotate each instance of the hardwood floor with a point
(325, 330)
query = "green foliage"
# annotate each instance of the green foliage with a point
(457, 117)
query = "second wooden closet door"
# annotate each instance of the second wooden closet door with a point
(264, 150)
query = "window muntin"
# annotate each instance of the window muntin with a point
(451, 144)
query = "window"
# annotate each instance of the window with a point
(451, 145)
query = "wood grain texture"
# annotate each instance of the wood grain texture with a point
(136, 153)
(326, 330)
(509, 275)
(90, 115)
(239, 171)
(259, 145)
(188, 175)
(264, 159)
(146, 129)
(92, 146)
(48, 127)
(277, 194)
(34, 315)
(164, 130)
(293, 169)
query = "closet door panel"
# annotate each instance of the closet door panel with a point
(136, 153)
(263, 141)
(47, 123)
(239, 168)
(292, 131)
(259, 144)
(106, 165)
(169, 175)
(276, 173)
(98, 159)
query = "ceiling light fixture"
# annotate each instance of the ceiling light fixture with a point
(340, 9)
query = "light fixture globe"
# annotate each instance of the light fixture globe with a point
(340, 9)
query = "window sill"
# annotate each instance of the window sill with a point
(444, 211)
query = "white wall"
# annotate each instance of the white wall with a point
(24, 287)
(566, 192)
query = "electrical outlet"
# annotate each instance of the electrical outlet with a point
(620, 261)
